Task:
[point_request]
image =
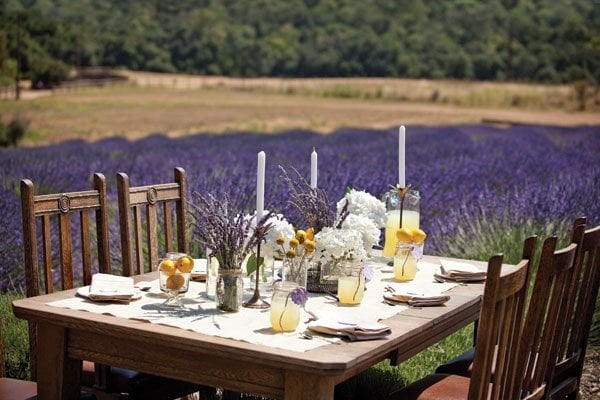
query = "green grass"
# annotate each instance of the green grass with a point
(16, 341)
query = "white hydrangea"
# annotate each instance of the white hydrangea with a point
(364, 204)
(339, 244)
(279, 227)
(367, 228)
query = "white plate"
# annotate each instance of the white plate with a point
(84, 291)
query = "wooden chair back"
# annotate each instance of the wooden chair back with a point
(134, 202)
(499, 329)
(572, 339)
(62, 207)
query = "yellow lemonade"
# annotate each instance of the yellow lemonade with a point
(405, 265)
(351, 289)
(410, 220)
(284, 317)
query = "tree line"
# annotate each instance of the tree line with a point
(509, 40)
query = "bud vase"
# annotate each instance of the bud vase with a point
(295, 270)
(230, 290)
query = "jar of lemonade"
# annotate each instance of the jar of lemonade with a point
(410, 217)
(285, 313)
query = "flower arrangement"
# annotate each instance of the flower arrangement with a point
(229, 236)
(296, 255)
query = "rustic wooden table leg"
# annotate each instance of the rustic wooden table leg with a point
(58, 376)
(300, 385)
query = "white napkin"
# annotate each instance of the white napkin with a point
(417, 299)
(460, 271)
(107, 287)
(351, 330)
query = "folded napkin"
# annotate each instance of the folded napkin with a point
(417, 299)
(351, 330)
(459, 272)
(107, 287)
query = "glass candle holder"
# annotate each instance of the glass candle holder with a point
(285, 314)
(351, 284)
(410, 217)
(405, 261)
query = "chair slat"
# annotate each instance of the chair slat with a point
(86, 251)
(139, 254)
(125, 225)
(181, 210)
(167, 210)
(66, 256)
(152, 236)
(47, 254)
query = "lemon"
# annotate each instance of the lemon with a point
(404, 235)
(185, 264)
(167, 266)
(175, 282)
(418, 235)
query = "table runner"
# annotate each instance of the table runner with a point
(253, 325)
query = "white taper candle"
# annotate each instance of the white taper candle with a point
(313, 168)
(401, 159)
(260, 186)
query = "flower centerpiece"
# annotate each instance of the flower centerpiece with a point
(229, 237)
(297, 253)
(345, 231)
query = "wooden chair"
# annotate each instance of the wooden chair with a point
(463, 364)
(136, 201)
(14, 389)
(571, 341)
(62, 206)
(512, 352)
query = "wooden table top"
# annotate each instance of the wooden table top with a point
(152, 347)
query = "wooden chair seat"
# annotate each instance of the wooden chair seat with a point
(437, 387)
(15, 389)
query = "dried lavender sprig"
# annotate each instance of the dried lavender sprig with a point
(312, 203)
(226, 233)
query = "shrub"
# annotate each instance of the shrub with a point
(11, 134)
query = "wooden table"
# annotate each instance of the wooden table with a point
(66, 336)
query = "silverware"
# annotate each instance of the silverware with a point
(308, 336)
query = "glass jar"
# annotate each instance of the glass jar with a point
(229, 290)
(351, 283)
(295, 270)
(285, 314)
(410, 217)
(405, 262)
(174, 276)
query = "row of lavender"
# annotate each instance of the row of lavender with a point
(522, 174)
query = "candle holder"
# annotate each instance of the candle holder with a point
(402, 206)
(256, 301)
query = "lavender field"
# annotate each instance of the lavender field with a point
(481, 186)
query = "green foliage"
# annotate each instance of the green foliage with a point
(16, 340)
(11, 134)
(544, 41)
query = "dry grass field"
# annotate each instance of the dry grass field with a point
(182, 104)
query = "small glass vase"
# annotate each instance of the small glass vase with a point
(351, 283)
(405, 262)
(295, 270)
(410, 217)
(230, 290)
(285, 314)
(323, 277)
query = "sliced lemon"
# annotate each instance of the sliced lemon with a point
(185, 264)
(175, 282)
(404, 235)
(167, 266)
(418, 235)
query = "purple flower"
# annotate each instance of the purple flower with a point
(417, 252)
(299, 296)
(368, 272)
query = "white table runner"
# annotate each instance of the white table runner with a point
(252, 325)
